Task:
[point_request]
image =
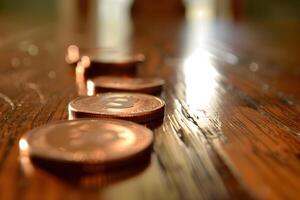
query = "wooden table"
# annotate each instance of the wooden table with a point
(232, 123)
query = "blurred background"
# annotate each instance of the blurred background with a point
(228, 9)
(103, 16)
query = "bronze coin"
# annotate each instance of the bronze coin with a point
(140, 108)
(116, 60)
(111, 64)
(87, 142)
(103, 61)
(126, 84)
(75, 52)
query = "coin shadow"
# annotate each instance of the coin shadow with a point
(93, 176)
(154, 124)
(105, 69)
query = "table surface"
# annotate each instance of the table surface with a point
(231, 128)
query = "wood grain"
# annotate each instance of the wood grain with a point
(231, 129)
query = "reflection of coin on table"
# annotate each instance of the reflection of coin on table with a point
(73, 55)
(88, 144)
(140, 108)
(126, 84)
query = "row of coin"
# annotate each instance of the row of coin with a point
(103, 140)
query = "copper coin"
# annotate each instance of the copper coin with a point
(100, 142)
(127, 84)
(135, 107)
(117, 60)
(75, 52)
(111, 64)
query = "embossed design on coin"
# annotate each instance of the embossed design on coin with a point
(88, 141)
(114, 102)
(135, 107)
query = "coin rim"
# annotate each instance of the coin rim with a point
(132, 59)
(120, 160)
(155, 85)
(157, 112)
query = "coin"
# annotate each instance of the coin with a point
(75, 52)
(113, 64)
(88, 144)
(104, 60)
(140, 108)
(127, 84)
(117, 60)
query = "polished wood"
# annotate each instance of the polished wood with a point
(231, 128)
